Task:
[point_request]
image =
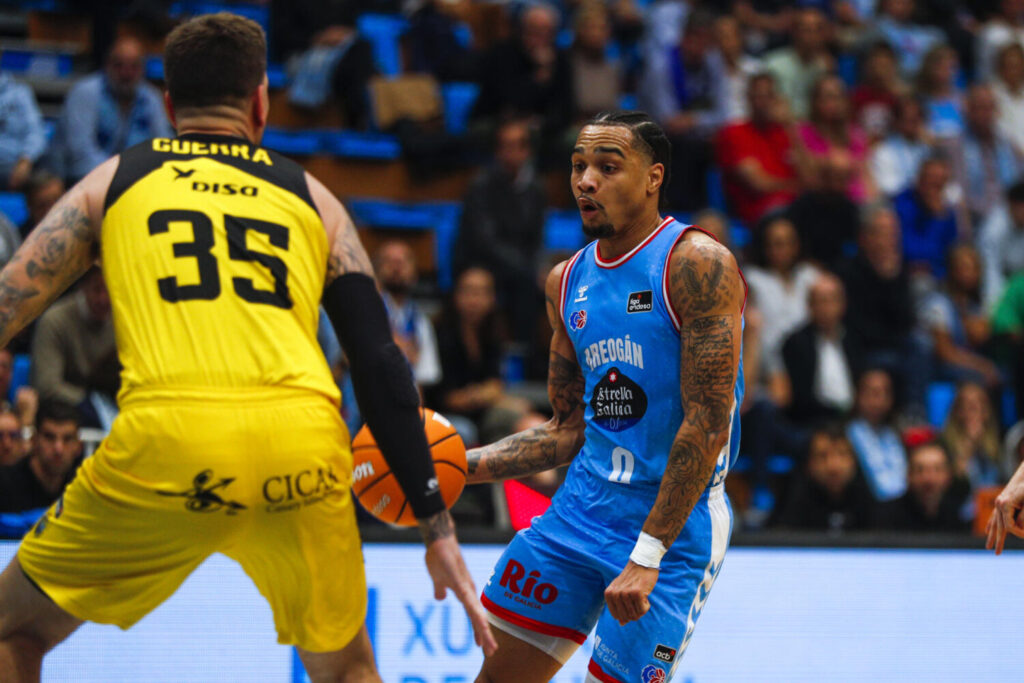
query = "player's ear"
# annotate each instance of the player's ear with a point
(261, 105)
(169, 108)
(655, 177)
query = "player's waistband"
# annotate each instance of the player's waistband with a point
(178, 395)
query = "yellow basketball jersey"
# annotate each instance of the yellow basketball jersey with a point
(215, 258)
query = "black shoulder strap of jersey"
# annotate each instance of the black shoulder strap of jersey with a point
(135, 163)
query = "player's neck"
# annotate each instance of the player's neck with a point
(226, 123)
(629, 237)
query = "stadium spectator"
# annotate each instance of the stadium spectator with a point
(22, 136)
(470, 336)
(38, 479)
(74, 358)
(822, 357)
(877, 445)
(875, 98)
(824, 215)
(111, 110)
(1001, 244)
(434, 46)
(715, 223)
(395, 265)
(597, 79)
(335, 64)
(986, 161)
(953, 319)
(927, 219)
(879, 305)
(895, 160)
(10, 239)
(41, 192)
(503, 226)
(931, 502)
(798, 67)
(24, 399)
(733, 69)
(766, 24)
(943, 100)
(830, 494)
(895, 23)
(780, 281)
(529, 76)
(1008, 87)
(757, 156)
(829, 130)
(971, 434)
(1008, 334)
(12, 440)
(1004, 27)
(681, 94)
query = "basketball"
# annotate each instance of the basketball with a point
(378, 490)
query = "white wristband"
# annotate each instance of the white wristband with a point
(648, 551)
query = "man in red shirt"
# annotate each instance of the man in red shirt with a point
(758, 157)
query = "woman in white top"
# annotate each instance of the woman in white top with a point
(1008, 87)
(780, 281)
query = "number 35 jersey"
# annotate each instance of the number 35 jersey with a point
(626, 336)
(215, 257)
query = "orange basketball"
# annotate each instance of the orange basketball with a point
(376, 487)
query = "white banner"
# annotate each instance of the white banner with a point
(774, 615)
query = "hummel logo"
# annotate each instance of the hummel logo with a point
(581, 294)
(182, 174)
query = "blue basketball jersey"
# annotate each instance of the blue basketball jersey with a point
(626, 336)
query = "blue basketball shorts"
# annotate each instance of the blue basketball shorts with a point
(548, 590)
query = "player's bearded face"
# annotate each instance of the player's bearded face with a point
(608, 179)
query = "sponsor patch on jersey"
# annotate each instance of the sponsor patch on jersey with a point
(653, 674)
(577, 319)
(665, 653)
(618, 402)
(640, 302)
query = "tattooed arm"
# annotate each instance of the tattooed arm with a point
(558, 440)
(706, 292)
(55, 254)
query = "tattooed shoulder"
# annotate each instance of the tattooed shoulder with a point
(703, 277)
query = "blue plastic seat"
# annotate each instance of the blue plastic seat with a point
(938, 402)
(459, 99)
(384, 32)
(14, 206)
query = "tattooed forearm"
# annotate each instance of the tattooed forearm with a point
(541, 448)
(708, 294)
(56, 253)
(436, 526)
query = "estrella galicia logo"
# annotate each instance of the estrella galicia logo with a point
(202, 497)
(665, 653)
(577, 319)
(653, 674)
(618, 402)
(640, 302)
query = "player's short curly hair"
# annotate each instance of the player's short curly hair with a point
(648, 137)
(214, 59)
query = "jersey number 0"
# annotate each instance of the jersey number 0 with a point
(235, 227)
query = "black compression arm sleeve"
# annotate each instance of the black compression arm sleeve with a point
(384, 387)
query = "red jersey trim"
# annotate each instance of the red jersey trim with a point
(629, 254)
(664, 276)
(565, 282)
(598, 673)
(532, 624)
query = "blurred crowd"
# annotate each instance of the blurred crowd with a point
(863, 158)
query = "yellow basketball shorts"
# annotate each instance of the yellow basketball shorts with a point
(265, 482)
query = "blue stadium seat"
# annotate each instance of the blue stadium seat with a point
(384, 31)
(739, 235)
(39, 63)
(258, 13)
(19, 374)
(716, 189)
(459, 99)
(846, 66)
(14, 206)
(777, 465)
(441, 217)
(938, 402)
(277, 77)
(627, 101)
(563, 230)
(301, 142)
(356, 145)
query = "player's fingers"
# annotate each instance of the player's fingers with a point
(1000, 532)
(990, 531)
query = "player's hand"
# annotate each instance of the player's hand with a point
(626, 596)
(448, 570)
(1005, 518)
